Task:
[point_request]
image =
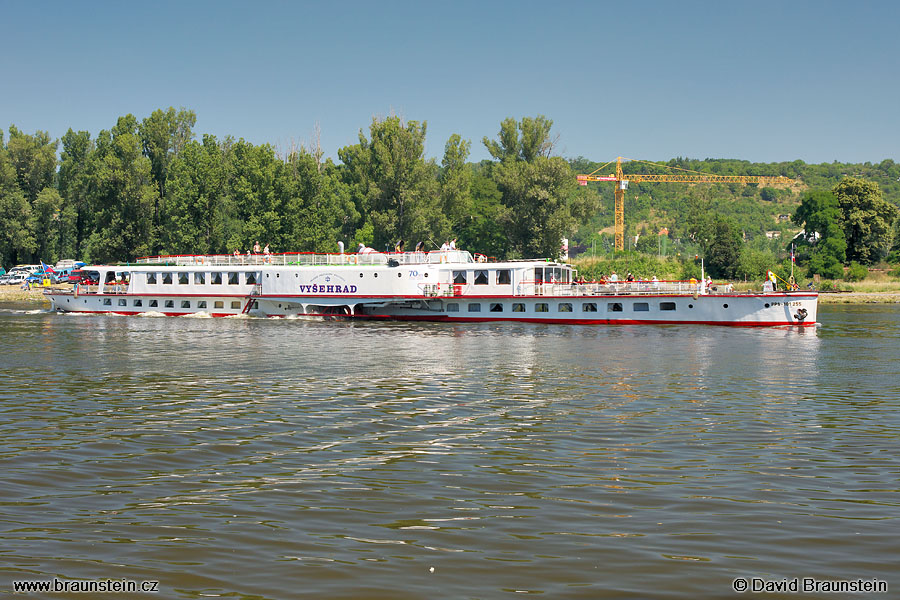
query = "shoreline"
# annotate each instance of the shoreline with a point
(13, 293)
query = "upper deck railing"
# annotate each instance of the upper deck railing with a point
(311, 259)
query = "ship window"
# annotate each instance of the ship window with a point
(182, 278)
(167, 278)
(459, 277)
(215, 278)
(538, 275)
(138, 303)
(503, 277)
(233, 278)
(235, 304)
(250, 278)
(564, 307)
(666, 306)
(474, 307)
(641, 307)
(589, 307)
(200, 278)
(151, 278)
(496, 307)
(107, 302)
(123, 302)
(154, 303)
(541, 307)
(185, 304)
(452, 307)
(170, 304)
(110, 277)
(614, 307)
(481, 277)
(518, 307)
(218, 304)
(201, 304)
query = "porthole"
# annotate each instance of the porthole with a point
(690, 306)
(767, 305)
(426, 274)
(399, 274)
(360, 274)
(724, 306)
(375, 275)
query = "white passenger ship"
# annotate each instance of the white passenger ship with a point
(433, 286)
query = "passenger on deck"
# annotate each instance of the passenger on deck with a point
(613, 278)
(453, 244)
(256, 249)
(399, 247)
(445, 246)
(266, 250)
(420, 247)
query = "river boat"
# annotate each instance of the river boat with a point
(452, 286)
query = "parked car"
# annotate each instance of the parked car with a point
(84, 277)
(17, 278)
(4, 279)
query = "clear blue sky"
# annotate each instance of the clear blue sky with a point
(763, 81)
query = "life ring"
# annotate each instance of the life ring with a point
(351, 260)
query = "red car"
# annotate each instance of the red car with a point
(84, 277)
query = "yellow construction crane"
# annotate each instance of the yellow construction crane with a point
(687, 177)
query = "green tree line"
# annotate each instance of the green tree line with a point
(151, 186)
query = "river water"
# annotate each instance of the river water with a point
(252, 458)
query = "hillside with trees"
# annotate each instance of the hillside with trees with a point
(153, 186)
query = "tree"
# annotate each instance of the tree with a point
(74, 186)
(47, 224)
(34, 160)
(820, 216)
(17, 241)
(865, 218)
(193, 219)
(543, 201)
(485, 229)
(456, 182)
(525, 140)
(256, 213)
(395, 185)
(163, 136)
(123, 195)
(722, 249)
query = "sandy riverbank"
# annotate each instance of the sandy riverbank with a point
(14, 293)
